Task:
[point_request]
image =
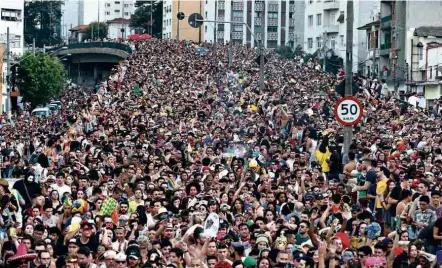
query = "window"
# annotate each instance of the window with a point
(206, 15)
(273, 15)
(318, 42)
(333, 43)
(341, 40)
(310, 20)
(16, 42)
(310, 42)
(310, 1)
(126, 14)
(126, 5)
(272, 29)
(421, 53)
(318, 19)
(205, 28)
(107, 13)
(237, 28)
(107, 4)
(376, 39)
(117, 2)
(117, 11)
(11, 14)
(258, 14)
(368, 40)
(333, 19)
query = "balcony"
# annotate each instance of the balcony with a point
(237, 19)
(386, 23)
(220, 34)
(291, 22)
(385, 49)
(373, 53)
(237, 35)
(258, 36)
(272, 22)
(272, 36)
(237, 6)
(221, 18)
(221, 5)
(259, 6)
(331, 28)
(292, 8)
(258, 21)
(291, 36)
(273, 8)
(331, 4)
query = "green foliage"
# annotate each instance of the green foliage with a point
(285, 52)
(99, 31)
(42, 22)
(40, 78)
(299, 51)
(141, 18)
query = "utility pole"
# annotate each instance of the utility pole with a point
(98, 25)
(151, 22)
(178, 24)
(122, 19)
(261, 53)
(8, 74)
(33, 46)
(348, 130)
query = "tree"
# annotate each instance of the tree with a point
(99, 30)
(299, 51)
(40, 78)
(285, 52)
(42, 21)
(141, 18)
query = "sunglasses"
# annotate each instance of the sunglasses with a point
(120, 261)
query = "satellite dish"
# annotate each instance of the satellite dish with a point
(195, 20)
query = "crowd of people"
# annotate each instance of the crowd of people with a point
(180, 160)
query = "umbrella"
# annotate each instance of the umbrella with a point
(201, 51)
(145, 36)
(134, 37)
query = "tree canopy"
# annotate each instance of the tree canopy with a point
(40, 78)
(141, 18)
(42, 22)
(99, 30)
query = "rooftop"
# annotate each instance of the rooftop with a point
(426, 31)
(79, 28)
(119, 20)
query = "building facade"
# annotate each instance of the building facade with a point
(180, 29)
(325, 28)
(275, 23)
(12, 17)
(398, 18)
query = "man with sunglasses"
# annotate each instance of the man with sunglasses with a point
(120, 260)
(364, 253)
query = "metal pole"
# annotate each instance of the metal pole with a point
(178, 24)
(214, 29)
(122, 20)
(8, 72)
(33, 46)
(199, 30)
(151, 22)
(98, 25)
(92, 31)
(348, 130)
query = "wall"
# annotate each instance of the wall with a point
(114, 30)
(1, 80)
(432, 92)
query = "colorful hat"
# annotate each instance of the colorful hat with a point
(22, 254)
(80, 205)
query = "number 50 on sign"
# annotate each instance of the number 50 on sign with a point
(348, 111)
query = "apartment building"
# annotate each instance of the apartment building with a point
(274, 22)
(325, 28)
(12, 12)
(402, 69)
(180, 29)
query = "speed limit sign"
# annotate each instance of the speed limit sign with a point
(348, 111)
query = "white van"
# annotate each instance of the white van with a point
(41, 112)
(58, 103)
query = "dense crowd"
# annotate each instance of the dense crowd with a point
(180, 160)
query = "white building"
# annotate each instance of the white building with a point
(12, 12)
(276, 22)
(325, 27)
(104, 11)
(115, 26)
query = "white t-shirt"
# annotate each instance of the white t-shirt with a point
(61, 190)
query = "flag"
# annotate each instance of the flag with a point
(137, 89)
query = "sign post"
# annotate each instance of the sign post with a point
(348, 111)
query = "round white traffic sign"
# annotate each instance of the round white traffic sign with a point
(348, 111)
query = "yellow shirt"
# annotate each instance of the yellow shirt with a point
(133, 205)
(381, 186)
(322, 159)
